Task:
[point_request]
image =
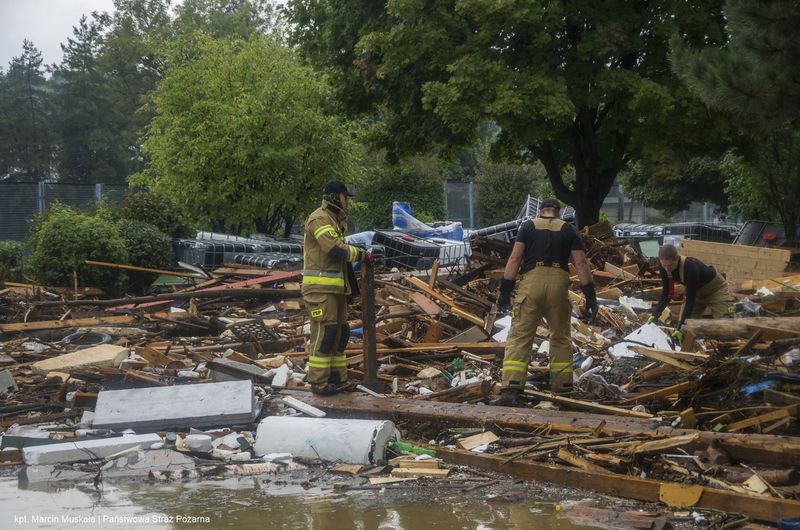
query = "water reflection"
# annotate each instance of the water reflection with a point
(263, 504)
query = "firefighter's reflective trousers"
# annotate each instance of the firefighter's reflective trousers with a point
(542, 292)
(329, 336)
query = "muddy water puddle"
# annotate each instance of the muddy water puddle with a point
(244, 503)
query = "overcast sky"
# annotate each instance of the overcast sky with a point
(47, 23)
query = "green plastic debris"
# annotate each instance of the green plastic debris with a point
(405, 447)
(457, 365)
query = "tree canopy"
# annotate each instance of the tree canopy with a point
(240, 135)
(753, 78)
(574, 86)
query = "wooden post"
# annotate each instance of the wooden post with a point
(368, 324)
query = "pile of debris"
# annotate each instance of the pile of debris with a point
(204, 378)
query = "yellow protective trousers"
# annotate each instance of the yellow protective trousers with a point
(329, 336)
(542, 292)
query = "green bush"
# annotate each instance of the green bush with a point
(159, 211)
(147, 246)
(10, 260)
(503, 188)
(418, 181)
(63, 238)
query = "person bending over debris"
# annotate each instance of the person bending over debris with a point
(326, 286)
(705, 287)
(543, 248)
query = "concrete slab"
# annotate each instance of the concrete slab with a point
(7, 383)
(176, 407)
(102, 355)
(85, 450)
(282, 374)
(138, 465)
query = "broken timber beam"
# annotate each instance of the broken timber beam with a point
(80, 322)
(781, 451)
(659, 393)
(761, 508)
(729, 328)
(277, 294)
(454, 308)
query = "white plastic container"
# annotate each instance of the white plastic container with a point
(334, 440)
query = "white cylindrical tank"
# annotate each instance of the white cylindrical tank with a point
(334, 440)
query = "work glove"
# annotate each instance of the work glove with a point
(651, 319)
(677, 337)
(591, 307)
(369, 255)
(504, 300)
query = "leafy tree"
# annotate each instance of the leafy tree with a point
(503, 188)
(157, 210)
(87, 121)
(243, 19)
(672, 189)
(240, 137)
(147, 246)
(63, 238)
(418, 181)
(10, 260)
(570, 84)
(26, 111)
(752, 79)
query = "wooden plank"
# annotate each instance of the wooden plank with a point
(587, 405)
(658, 446)
(471, 442)
(774, 415)
(659, 393)
(735, 328)
(657, 355)
(430, 307)
(774, 397)
(71, 323)
(479, 347)
(415, 472)
(618, 272)
(760, 508)
(281, 276)
(102, 355)
(153, 357)
(145, 269)
(434, 274)
(780, 451)
(375, 481)
(574, 460)
(738, 261)
(681, 355)
(454, 308)
(773, 333)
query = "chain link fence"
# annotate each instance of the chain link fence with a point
(19, 201)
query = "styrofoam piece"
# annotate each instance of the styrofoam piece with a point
(649, 335)
(505, 326)
(634, 303)
(334, 440)
(305, 408)
(200, 443)
(85, 449)
(176, 407)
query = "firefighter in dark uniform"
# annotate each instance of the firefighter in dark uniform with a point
(705, 288)
(326, 286)
(543, 249)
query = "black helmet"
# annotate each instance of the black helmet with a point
(550, 203)
(335, 187)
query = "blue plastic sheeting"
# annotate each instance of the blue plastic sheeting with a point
(404, 221)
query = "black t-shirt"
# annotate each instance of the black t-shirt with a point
(696, 274)
(548, 241)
